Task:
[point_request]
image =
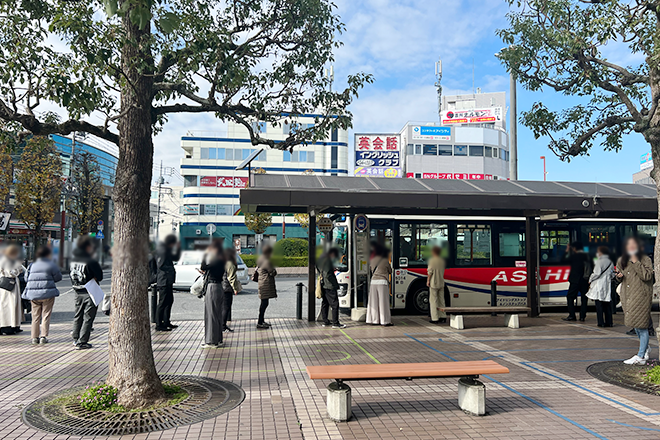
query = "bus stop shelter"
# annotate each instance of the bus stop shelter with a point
(532, 200)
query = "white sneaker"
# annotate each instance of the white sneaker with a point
(635, 360)
(647, 354)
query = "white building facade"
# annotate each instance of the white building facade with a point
(212, 184)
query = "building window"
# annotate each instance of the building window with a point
(334, 136)
(512, 244)
(245, 153)
(259, 127)
(294, 156)
(418, 149)
(476, 150)
(262, 156)
(286, 156)
(507, 156)
(473, 245)
(213, 152)
(489, 151)
(418, 175)
(302, 156)
(190, 209)
(410, 150)
(207, 209)
(190, 181)
(229, 154)
(310, 156)
(204, 153)
(286, 128)
(444, 150)
(334, 153)
(221, 153)
(460, 150)
(495, 152)
(430, 150)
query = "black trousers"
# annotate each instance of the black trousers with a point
(604, 313)
(164, 309)
(576, 288)
(83, 320)
(226, 311)
(330, 300)
(262, 310)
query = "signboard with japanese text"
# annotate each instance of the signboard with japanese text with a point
(378, 155)
(453, 176)
(472, 116)
(420, 132)
(223, 182)
(645, 161)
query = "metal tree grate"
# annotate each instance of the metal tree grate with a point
(208, 398)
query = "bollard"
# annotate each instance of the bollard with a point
(153, 303)
(493, 296)
(299, 300)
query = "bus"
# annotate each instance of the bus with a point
(479, 250)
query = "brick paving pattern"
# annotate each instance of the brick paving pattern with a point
(547, 395)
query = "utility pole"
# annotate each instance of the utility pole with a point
(160, 185)
(513, 129)
(545, 173)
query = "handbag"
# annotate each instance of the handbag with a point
(255, 275)
(7, 283)
(319, 289)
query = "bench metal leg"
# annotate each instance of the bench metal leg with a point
(511, 320)
(339, 402)
(456, 321)
(472, 396)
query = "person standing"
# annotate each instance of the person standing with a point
(578, 279)
(436, 284)
(84, 268)
(600, 287)
(167, 253)
(635, 272)
(41, 277)
(266, 274)
(378, 307)
(230, 286)
(329, 288)
(213, 265)
(11, 308)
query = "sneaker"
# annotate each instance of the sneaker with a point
(209, 345)
(647, 354)
(569, 318)
(327, 324)
(163, 329)
(228, 329)
(35, 341)
(268, 324)
(635, 360)
(339, 325)
(172, 326)
(83, 346)
(43, 340)
(263, 326)
(385, 325)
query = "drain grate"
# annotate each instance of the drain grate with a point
(208, 398)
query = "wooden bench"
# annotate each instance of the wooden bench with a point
(510, 314)
(471, 392)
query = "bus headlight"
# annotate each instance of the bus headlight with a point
(343, 290)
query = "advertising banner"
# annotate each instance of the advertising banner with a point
(378, 155)
(420, 132)
(472, 116)
(223, 182)
(453, 176)
(646, 161)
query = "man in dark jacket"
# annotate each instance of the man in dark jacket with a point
(329, 287)
(578, 279)
(167, 253)
(84, 268)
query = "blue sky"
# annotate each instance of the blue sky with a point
(399, 41)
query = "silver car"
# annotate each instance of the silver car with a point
(188, 270)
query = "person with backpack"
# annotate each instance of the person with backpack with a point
(167, 253)
(578, 279)
(84, 268)
(600, 287)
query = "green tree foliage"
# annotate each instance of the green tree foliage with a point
(6, 179)
(258, 222)
(132, 63)
(86, 202)
(291, 247)
(38, 184)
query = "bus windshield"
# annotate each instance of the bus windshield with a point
(340, 241)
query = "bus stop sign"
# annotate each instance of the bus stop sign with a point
(361, 223)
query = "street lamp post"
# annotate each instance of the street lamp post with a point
(545, 173)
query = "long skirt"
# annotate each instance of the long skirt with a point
(214, 301)
(378, 308)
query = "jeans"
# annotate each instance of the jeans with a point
(330, 300)
(262, 310)
(164, 310)
(84, 318)
(580, 287)
(643, 335)
(604, 309)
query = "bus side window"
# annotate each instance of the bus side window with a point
(473, 245)
(553, 245)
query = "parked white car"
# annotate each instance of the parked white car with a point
(188, 270)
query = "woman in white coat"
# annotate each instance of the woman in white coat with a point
(11, 310)
(600, 288)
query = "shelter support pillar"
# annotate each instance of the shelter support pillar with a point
(532, 250)
(311, 268)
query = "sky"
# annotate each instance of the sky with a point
(399, 41)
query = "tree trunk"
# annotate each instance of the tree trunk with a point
(654, 141)
(132, 369)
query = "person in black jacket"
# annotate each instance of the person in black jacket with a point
(329, 287)
(213, 266)
(84, 268)
(167, 253)
(578, 279)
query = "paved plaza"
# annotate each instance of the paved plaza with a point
(547, 395)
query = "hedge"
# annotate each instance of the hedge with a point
(291, 247)
(278, 261)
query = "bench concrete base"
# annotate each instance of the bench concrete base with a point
(456, 321)
(472, 396)
(339, 402)
(511, 320)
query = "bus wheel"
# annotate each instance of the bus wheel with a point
(418, 301)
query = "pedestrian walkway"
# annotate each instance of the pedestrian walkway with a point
(547, 395)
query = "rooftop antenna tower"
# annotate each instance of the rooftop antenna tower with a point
(438, 85)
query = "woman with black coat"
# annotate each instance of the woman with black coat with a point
(213, 265)
(230, 285)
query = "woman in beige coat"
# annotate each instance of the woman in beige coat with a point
(378, 307)
(635, 272)
(11, 311)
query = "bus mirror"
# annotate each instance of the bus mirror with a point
(403, 262)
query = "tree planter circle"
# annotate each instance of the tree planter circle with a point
(57, 413)
(622, 375)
